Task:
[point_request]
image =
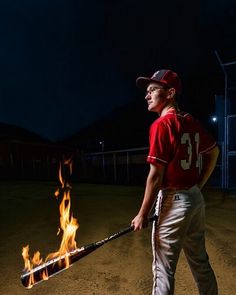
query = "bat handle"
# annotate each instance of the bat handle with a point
(150, 219)
(124, 231)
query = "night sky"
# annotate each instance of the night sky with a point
(66, 64)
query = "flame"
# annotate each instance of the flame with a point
(36, 258)
(57, 193)
(25, 254)
(31, 263)
(60, 177)
(45, 275)
(68, 226)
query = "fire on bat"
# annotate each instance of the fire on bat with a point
(35, 269)
(55, 266)
(68, 227)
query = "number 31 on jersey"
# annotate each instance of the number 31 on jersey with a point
(192, 146)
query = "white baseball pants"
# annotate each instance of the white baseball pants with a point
(181, 225)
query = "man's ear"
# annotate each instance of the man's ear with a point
(171, 93)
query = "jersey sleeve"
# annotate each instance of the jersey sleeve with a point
(160, 145)
(207, 141)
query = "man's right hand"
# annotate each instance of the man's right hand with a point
(139, 222)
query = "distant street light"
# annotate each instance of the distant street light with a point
(214, 119)
(102, 143)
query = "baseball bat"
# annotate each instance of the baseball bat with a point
(54, 266)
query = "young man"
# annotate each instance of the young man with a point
(182, 156)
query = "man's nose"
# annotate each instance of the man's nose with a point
(148, 96)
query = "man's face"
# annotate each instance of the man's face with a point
(156, 97)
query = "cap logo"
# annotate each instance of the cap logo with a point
(156, 73)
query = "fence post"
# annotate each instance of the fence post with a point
(128, 166)
(114, 167)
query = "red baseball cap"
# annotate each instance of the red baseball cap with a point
(167, 77)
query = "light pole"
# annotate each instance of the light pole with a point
(102, 143)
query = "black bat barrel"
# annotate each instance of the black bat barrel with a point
(54, 266)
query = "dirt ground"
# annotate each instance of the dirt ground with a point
(29, 215)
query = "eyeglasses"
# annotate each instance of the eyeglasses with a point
(152, 89)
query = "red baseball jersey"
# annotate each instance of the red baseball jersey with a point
(177, 140)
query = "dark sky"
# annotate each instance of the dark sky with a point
(64, 64)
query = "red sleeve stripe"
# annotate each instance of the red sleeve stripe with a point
(208, 149)
(151, 157)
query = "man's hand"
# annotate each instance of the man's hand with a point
(153, 183)
(139, 222)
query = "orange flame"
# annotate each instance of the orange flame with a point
(68, 225)
(60, 177)
(30, 263)
(25, 254)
